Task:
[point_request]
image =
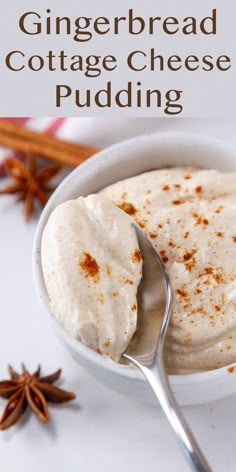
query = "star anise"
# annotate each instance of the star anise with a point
(30, 389)
(30, 183)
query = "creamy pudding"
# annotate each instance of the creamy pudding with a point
(190, 216)
(92, 265)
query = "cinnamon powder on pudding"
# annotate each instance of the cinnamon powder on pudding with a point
(90, 266)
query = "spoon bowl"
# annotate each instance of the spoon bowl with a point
(154, 303)
(146, 349)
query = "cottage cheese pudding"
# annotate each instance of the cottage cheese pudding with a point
(190, 215)
(92, 265)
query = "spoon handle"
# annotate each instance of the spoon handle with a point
(157, 379)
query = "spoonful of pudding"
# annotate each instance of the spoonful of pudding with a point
(108, 287)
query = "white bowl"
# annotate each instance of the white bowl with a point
(117, 162)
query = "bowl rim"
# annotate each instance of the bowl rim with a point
(86, 352)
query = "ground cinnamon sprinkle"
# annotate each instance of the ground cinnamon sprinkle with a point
(234, 239)
(141, 222)
(207, 282)
(152, 235)
(199, 189)
(136, 256)
(130, 282)
(219, 209)
(189, 255)
(163, 256)
(191, 264)
(178, 186)
(200, 220)
(176, 202)
(220, 234)
(187, 177)
(165, 259)
(182, 293)
(186, 235)
(218, 278)
(201, 310)
(217, 275)
(166, 188)
(127, 207)
(90, 266)
(134, 307)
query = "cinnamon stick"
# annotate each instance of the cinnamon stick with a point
(26, 141)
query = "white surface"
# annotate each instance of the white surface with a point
(101, 431)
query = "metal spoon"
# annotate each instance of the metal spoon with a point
(146, 348)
